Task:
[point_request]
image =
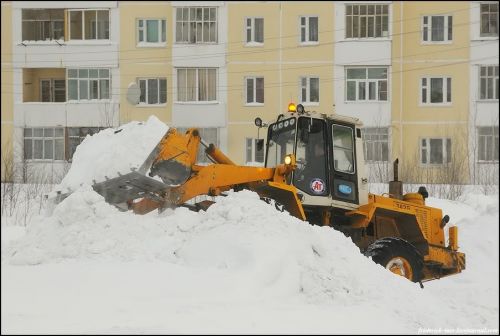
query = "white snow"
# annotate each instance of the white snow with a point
(239, 267)
(113, 151)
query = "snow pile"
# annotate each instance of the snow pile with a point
(111, 151)
(270, 254)
(245, 250)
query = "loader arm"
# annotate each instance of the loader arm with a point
(173, 160)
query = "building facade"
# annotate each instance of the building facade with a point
(422, 77)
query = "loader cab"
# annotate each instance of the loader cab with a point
(325, 152)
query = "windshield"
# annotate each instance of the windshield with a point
(310, 175)
(281, 141)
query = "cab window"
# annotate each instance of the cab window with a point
(343, 149)
(310, 175)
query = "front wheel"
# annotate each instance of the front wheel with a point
(398, 256)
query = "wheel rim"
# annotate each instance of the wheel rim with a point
(400, 266)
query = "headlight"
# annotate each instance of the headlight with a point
(288, 159)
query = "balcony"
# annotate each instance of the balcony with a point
(44, 85)
(45, 98)
(62, 37)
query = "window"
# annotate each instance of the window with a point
(488, 82)
(255, 30)
(209, 135)
(308, 29)
(75, 136)
(311, 174)
(88, 84)
(376, 144)
(343, 149)
(151, 31)
(435, 151)
(366, 84)
(489, 19)
(42, 24)
(196, 84)
(196, 25)
(52, 90)
(153, 91)
(367, 21)
(44, 143)
(54, 143)
(255, 150)
(88, 24)
(487, 138)
(255, 90)
(309, 89)
(437, 28)
(436, 90)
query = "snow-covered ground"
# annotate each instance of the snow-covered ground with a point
(240, 267)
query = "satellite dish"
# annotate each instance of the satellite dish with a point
(133, 93)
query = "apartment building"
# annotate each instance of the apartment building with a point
(65, 81)
(422, 76)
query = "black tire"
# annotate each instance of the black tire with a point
(385, 250)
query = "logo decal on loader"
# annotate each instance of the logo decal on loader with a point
(317, 186)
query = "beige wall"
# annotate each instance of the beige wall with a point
(7, 106)
(144, 61)
(281, 61)
(412, 120)
(31, 81)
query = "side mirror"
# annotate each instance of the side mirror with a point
(300, 109)
(304, 129)
(258, 122)
(260, 144)
(304, 135)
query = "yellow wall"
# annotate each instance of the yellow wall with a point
(7, 106)
(411, 119)
(285, 56)
(143, 62)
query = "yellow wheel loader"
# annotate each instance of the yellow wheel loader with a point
(315, 170)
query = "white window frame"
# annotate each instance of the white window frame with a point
(428, 91)
(376, 131)
(52, 89)
(253, 42)
(446, 160)
(80, 79)
(42, 138)
(428, 27)
(197, 101)
(253, 150)
(367, 82)
(494, 136)
(254, 88)
(385, 34)
(307, 102)
(146, 94)
(83, 24)
(162, 22)
(487, 35)
(306, 27)
(190, 20)
(486, 77)
(41, 25)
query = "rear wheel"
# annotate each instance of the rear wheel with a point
(398, 256)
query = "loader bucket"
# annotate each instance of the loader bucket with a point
(129, 187)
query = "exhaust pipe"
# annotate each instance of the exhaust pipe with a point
(396, 186)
